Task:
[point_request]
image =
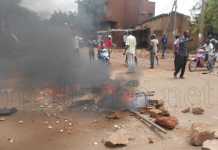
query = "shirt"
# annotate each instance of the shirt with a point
(77, 40)
(131, 43)
(210, 49)
(154, 44)
(176, 46)
(164, 40)
(108, 43)
(183, 47)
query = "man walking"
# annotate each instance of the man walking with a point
(131, 52)
(154, 50)
(182, 55)
(164, 41)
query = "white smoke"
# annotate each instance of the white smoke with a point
(46, 7)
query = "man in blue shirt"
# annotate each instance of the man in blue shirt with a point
(182, 55)
(164, 41)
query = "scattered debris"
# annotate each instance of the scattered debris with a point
(167, 122)
(7, 111)
(150, 141)
(61, 130)
(11, 140)
(154, 112)
(197, 111)
(164, 112)
(20, 122)
(114, 116)
(2, 119)
(50, 127)
(95, 143)
(210, 145)
(146, 121)
(200, 133)
(186, 110)
(157, 103)
(216, 134)
(117, 139)
(117, 127)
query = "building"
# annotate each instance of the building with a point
(127, 13)
(164, 24)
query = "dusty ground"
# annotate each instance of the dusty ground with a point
(89, 129)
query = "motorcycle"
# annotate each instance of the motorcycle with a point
(202, 60)
(104, 56)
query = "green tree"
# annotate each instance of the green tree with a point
(211, 18)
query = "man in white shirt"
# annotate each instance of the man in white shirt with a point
(154, 50)
(77, 40)
(131, 52)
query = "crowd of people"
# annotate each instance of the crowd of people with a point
(104, 47)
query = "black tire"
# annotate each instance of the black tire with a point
(192, 66)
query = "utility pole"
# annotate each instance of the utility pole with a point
(175, 6)
(172, 22)
(201, 33)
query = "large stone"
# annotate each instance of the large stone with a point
(216, 133)
(186, 110)
(200, 133)
(210, 145)
(155, 112)
(117, 139)
(167, 122)
(197, 111)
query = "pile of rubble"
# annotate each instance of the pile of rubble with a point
(204, 135)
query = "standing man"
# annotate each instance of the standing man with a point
(77, 40)
(109, 44)
(154, 50)
(130, 51)
(183, 54)
(91, 51)
(176, 50)
(164, 41)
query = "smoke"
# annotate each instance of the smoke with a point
(46, 7)
(41, 53)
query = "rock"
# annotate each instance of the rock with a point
(197, 111)
(2, 119)
(155, 112)
(11, 140)
(50, 127)
(159, 103)
(150, 141)
(57, 122)
(200, 133)
(164, 112)
(114, 116)
(210, 145)
(186, 110)
(216, 133)
(167, 122)
(20, 122)
(61, 130)
(117, 126)
(95, 143)
(117, 139)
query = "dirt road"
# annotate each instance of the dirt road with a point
(88, 130)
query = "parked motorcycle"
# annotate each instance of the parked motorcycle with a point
(202, 60)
